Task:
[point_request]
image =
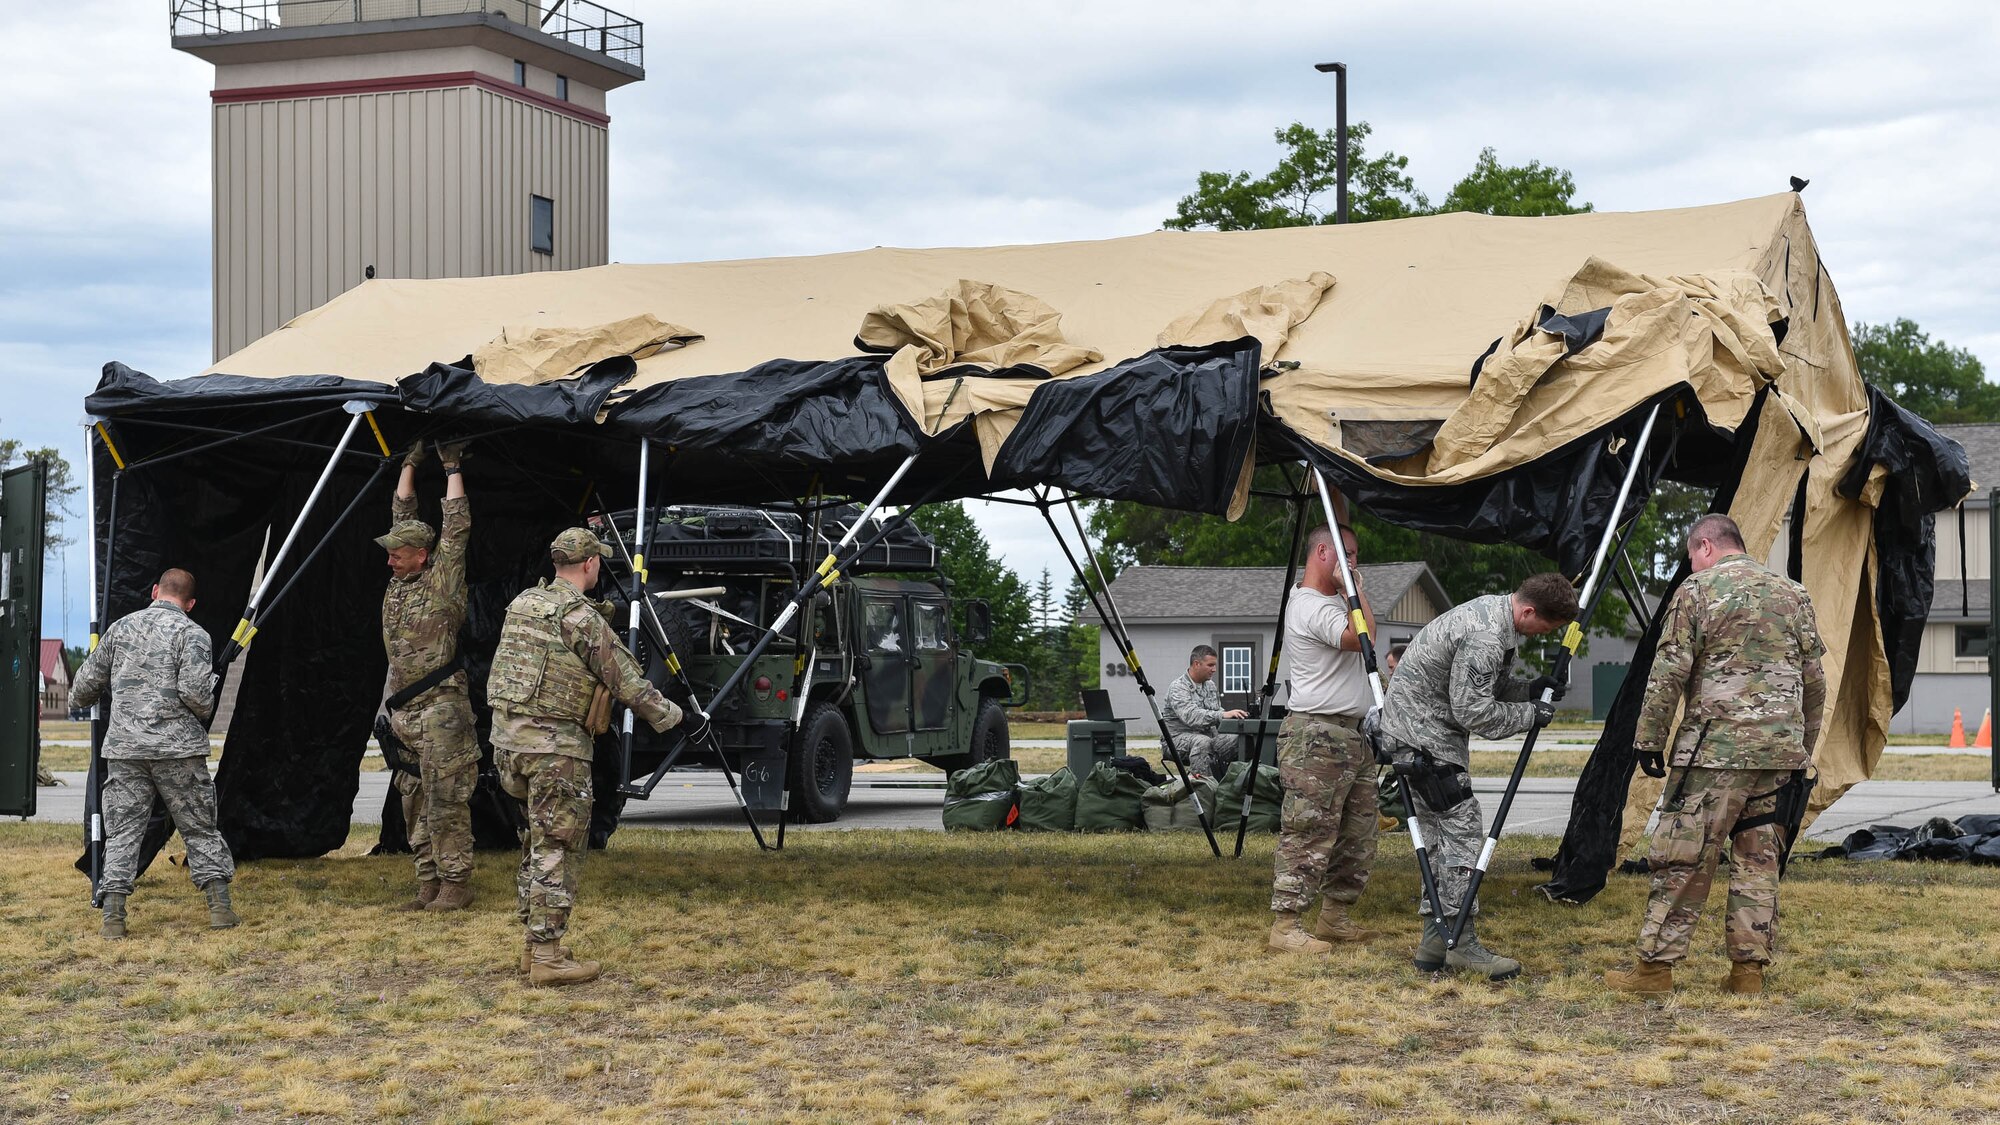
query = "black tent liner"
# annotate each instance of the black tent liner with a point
(1169, 428)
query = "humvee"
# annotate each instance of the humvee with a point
(891, 673)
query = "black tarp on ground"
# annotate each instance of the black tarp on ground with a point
(1969, 839)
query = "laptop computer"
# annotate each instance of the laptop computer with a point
(1097, 706)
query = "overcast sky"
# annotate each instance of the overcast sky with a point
(798, 128)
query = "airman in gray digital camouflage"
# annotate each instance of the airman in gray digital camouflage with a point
(422, 611)
(1326, 835)
(158, 667)
(555, 651)
(1739, 656)
(1194, 711)
(1454, 681)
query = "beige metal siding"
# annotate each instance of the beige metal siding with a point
(1414, 607)
(1940, 642)
(309, 192)
(1978, 544)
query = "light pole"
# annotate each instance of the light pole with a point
(1339, 72)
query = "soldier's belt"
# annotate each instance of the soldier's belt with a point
(1351, 722)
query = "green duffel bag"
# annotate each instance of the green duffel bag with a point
(1266, 801)
(1108, 801)
(1048, 804)
(1167, 808)
(981, 799)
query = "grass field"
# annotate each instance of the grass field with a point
(874, 976)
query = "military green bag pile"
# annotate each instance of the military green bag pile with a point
(1168, 809)
(981, 799)
(1048, 804)
(1266, 800)
(1108, 801)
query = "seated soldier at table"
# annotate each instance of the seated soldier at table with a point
(1194, 711)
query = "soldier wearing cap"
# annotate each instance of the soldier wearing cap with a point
(555, 651)
(430, 712)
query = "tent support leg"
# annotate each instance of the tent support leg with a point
(1254, 754)
(100, 611)
(1593, 592)
(1425, 875)
(1107, 611)
(635, 561)
(802, 671)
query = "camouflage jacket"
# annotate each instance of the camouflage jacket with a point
(1742, 648)
(421, 614)
(1454, 682)
(530, 687)
(161, 672)
(1192, 708)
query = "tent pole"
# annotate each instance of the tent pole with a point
(1360, 622)
(100, 605)
(1256, 752)
(246, 629)
(635, 559)
(1593, 592)
(802, 670)
(260, 431)
(1107, 611)
(678, 671)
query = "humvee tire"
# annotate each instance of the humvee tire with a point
(989, 739)
(822, 765)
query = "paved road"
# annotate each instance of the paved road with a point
(701, 800)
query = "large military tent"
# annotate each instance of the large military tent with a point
(1477, 376)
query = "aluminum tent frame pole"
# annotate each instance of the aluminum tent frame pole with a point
(1107, 611)
(1593, 592)
(100, 607)
(1256, 753)
(802, 671)
(635, 561)
(1360, 622)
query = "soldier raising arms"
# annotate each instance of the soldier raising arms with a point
(1742, 648)
(429, 711)
(555, 650)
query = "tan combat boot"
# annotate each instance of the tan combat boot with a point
(1335, 926)
(451, 896)
(528, 955)
(1647, 978)
(114, 916)
(221, 915)
(427, 890)
(1287, 937)
(1746, 978)
(549, 964)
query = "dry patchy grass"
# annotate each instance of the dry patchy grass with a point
(884, 976)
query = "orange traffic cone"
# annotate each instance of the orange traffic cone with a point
(1957, 730)
(1984, 739)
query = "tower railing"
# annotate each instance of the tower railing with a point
(580, 23)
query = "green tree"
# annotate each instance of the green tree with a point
(1492, 188)
(1926, 376)
(61, 488)
(1302, 189)
(966, 561)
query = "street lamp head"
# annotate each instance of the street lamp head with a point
(1330, 67)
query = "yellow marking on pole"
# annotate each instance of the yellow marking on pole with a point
(93, 643)
(1573, 637)
(639, 567)
(832, 576)
(377, 427)
(673, 664)
(249, 635)
(116, 458)
(241, 634)
(827, 566)
(799, 665)
(1132, 658)
(1360, 622)
(1274, 664)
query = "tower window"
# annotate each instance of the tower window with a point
(520, 73)
(562, 86)
(542, 224)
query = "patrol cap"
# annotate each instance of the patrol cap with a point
(575, 545)
(407, 533)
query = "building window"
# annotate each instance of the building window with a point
(520, 73)
(542, 224)
(1236, 675)
(562, 86)
(1969, 642)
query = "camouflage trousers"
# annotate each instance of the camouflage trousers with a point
(184, 786)
(436, 803)
(1453, 838)
(557, 791)
(1698, 819)
(1326, 836)
(1209, 754)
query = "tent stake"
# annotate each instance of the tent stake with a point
(1593, 592)
(1256, 751)
(1107, 611)
(1360, 622)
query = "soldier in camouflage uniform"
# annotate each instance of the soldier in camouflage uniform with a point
(1742, 650)
(1194, 709)
(1454, 681)
(159, 668)
(422, 610)
(555, 650)
(1326, 839)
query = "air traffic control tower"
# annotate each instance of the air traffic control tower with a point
(401, 138)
